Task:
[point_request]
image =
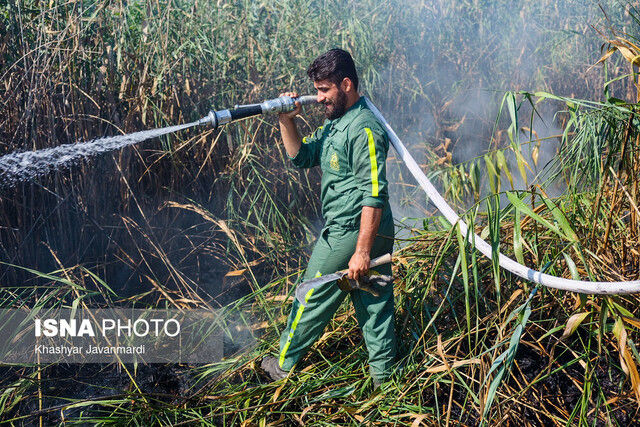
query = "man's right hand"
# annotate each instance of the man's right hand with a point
(290, 115)
(288, 128)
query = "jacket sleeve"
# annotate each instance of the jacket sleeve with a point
(369, 155)
(310, 150)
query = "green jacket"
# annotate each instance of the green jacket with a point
(351, 151)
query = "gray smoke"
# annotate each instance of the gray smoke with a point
(456, 61)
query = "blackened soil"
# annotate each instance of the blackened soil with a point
(64, 384)
(557, 389)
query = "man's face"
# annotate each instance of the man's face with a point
(333, 98)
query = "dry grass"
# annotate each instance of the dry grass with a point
(480, 345)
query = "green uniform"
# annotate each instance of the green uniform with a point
(351, 151)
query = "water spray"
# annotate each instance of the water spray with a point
(283, 104)
(27, 165)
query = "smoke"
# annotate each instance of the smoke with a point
(451, 64)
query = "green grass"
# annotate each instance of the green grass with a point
(178, 214)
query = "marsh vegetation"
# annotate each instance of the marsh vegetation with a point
(501, 104)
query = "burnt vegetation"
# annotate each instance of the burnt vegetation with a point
(546, 172)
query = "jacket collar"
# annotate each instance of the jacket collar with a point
(341, 122)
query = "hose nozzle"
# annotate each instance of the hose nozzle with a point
(283, 104)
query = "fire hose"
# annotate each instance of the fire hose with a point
(286, 104)
(580, 286)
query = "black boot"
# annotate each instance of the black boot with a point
(271, 366)
(377, 382)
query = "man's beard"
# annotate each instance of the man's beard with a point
(339, 107)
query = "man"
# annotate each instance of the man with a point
(351, 149)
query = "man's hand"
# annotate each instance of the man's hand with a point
(358, 265)
(288, 128)
(369, 223)
(290, 115)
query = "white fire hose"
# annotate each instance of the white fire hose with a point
(581, 286)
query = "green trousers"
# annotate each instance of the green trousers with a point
(332, 252)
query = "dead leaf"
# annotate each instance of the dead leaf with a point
(573, 323)
(454, 365)
(235, 273)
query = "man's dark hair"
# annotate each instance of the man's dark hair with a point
(334, 66)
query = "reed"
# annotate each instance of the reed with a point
(221, 219)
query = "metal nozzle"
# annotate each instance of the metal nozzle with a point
(216, 118)
(209, 119)
(283, 104)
